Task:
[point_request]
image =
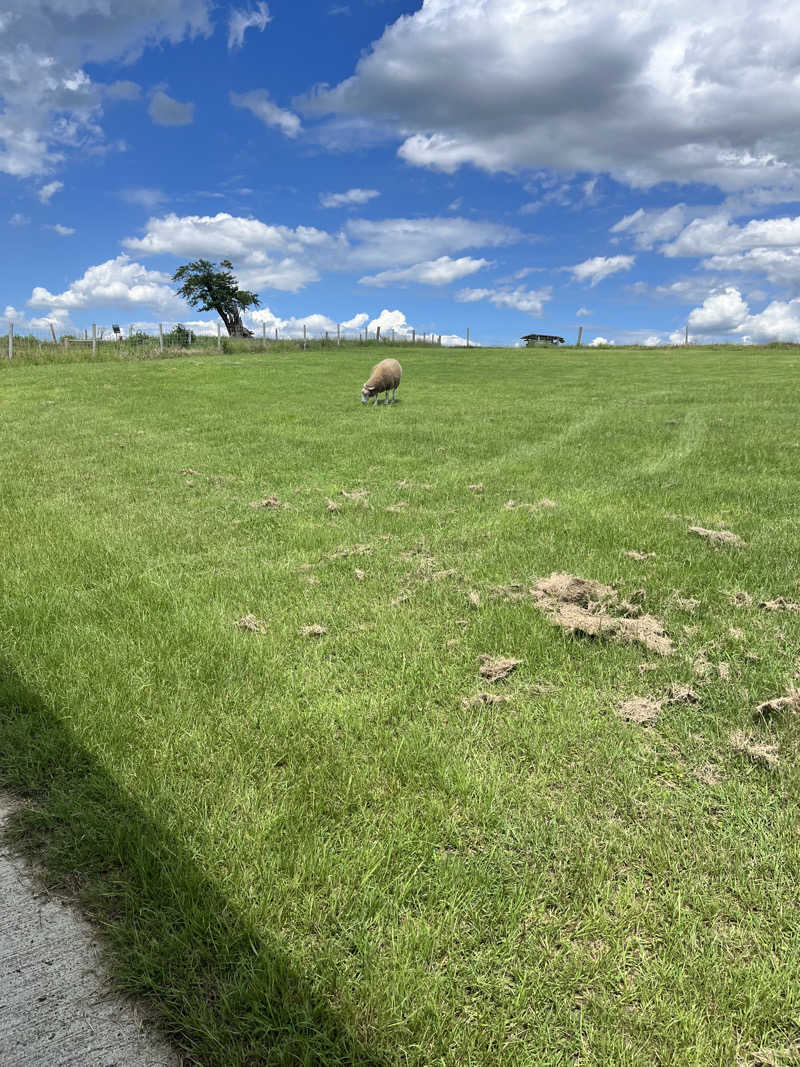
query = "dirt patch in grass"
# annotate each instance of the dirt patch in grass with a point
(345, 551)
(331, 505)
(405, 484)
(640, 556)
(497, 668)
(540, 505)
(689, 604)
(358, 496)
(708, 774)
(681, 694)
(583, 606)
(477, 487)
(474, 598)
(480, 700)
(267, 503)
(780, 604)
(717, 537)
(360, 575)
(315, 630)
(250, 624)
(639, 710)
(766, 755)
(778, 707)
(401, 505)
(740, 599)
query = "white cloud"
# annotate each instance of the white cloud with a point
(391, 320)
(721, 312)
(357, 321)
(642, 91)
(439, 271)
(241, 21)
(652, 227)
(165, 111)
(18, 219)
(599, 267)
(142, 195)
(531, 301)
(284, 258)
(352, 196)
(779, 321)
(123, 90)
(597, 341)
(63, 231)
(402, 242)
(582, 312)
(258, 102)
(118, 282)
(47, 192)
(49, 106)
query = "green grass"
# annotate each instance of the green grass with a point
(306, 851)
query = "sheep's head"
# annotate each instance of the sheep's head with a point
(366, 393)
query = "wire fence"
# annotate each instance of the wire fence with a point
(144, 340)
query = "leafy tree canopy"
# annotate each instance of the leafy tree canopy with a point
(209, 287)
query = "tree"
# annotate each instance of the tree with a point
(210, 289)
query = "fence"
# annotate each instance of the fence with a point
(143, 339)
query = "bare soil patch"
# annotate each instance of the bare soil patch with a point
(359, 496)
(315, 630)
(757, 751)
(640, 556)
(583, 606)
(780, 706)
(331, 505)
(639, 710)
(780, 604)
(512, 593)
(681, 694)
(267, 503)
(477, 487)
(250, 624)
(497, 668)
(717, 537)
(480, 700)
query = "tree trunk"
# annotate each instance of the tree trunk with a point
(233, 321)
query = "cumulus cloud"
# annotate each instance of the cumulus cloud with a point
(391, 320)
(241, 21)
(597, 341)
(47, 192)
(165, 111)
(652, 227)
(118, 282)
(258, 103)
(49, 104)
(720, 312)
(62, 231)
(642, 91)
(531, 301)
(599, 267)
(352, 196)
(439, 271)
(357, 321)
(281, 257)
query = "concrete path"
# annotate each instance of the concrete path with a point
(55, 1009)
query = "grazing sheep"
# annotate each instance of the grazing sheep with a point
(385, 375)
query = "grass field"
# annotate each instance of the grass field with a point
(304, 849)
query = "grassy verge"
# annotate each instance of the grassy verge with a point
(305, 849)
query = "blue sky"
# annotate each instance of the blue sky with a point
(510, 166)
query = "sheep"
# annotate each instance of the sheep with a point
(385, 375)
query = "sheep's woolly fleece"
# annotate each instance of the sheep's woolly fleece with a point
(582, 606)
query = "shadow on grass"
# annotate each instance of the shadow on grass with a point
(224, 995)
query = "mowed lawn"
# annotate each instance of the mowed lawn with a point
(303, 847)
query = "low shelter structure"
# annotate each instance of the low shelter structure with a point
(531, 339)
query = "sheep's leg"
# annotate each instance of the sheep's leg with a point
(375, 401)
(394, 395)
(387, 395)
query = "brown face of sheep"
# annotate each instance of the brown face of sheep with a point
(366, 393)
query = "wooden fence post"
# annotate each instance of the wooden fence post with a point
(276, 333)
(580, 334)
(160, 337)
(377, 333)
(338, 334)
(413, 336)
(304, 337)
(11, 340)
(467, 336)
(94, 338)
(263, 335)
(686, 335)
(219, 340)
